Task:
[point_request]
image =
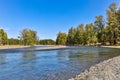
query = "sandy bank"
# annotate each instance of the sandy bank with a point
(44, 48)
(111, 46)
(106, 70)
(12, 46)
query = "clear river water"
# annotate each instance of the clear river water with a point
(17, 64)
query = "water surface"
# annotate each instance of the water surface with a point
(51, 65)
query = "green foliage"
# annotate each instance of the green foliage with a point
(99, 25)
(28, 36)
(3, 37)
(13, 41)
(71, 34)
(113, 25)
(100, 32)
(61, 39)
(47, 42)
(118, 21)
(90, 34)
(79, 36)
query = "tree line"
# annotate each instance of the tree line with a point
(26, 37)
(100, 32)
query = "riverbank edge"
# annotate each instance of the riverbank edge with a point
(21, 46)
(110, 46)
(105, 70)
(12, 47)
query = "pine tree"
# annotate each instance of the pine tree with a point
(61, 38)
(71, 34)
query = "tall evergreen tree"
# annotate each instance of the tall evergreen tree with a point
(61, 38)
(99, 25)
(70, 37)
(112, 23)
(118, 20)
(3, 37)
(79, 36)
(90, 34)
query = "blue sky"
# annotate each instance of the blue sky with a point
(48, 17)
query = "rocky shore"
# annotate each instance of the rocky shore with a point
(106, 70)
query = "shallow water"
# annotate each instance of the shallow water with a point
(51, 65)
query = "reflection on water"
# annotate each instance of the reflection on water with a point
(29, 55)
(2, 57)
(51, 65)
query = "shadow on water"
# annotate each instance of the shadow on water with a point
(29, 55)
(2, 59)
(51, 65)
(16, 50)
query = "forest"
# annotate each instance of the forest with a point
(101, 32)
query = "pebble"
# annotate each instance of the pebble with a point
(106, 70)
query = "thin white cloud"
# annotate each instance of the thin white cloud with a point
(5, 28)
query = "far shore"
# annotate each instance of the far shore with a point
(50, 46)
(22, 46)
(12, 46)
(53, 46)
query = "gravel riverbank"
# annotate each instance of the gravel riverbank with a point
(106, 70)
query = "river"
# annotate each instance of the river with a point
(52, 64)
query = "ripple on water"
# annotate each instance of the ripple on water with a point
(51, 65)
